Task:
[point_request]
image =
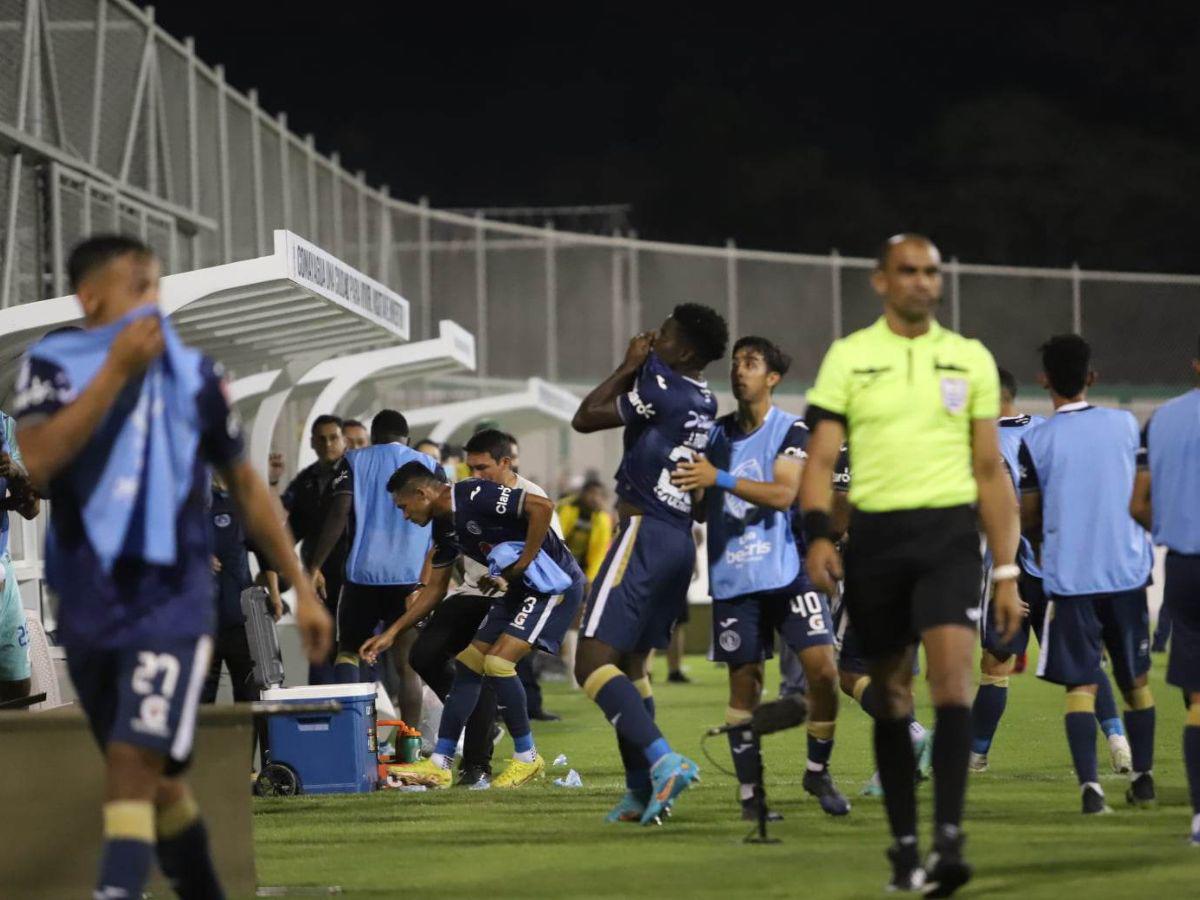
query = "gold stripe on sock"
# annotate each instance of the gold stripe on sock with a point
(860, 688)
(1193, 716)
(499, 667)
(346, 658)
(643, 687)
(822, 731)
(735, 716)
(1081, 702)
(598, 679)
(1141, 698)
(472, 659)
(994, 680)
(178, 817)
(131, 820)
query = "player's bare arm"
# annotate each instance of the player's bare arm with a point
(778, 493)
(823, 562)
(253, 500)
(1139, 504)
(538, 511)
(999, 514)
(429, 596)
(598, 411)
(51, 444)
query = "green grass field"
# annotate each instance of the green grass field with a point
(1025, 834)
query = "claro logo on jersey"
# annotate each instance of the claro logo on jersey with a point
(640, 406)
(502, 500)
(749, 549)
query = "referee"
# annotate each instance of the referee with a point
(918, 405)
(1166, 499)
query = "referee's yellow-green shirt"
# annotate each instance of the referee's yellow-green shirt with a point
(908, 405)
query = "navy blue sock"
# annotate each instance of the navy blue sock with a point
(1081, 738)
(460, 703)
(1106, 706)
(819, 751)
(185, 860)
(1140, 725)
(345, 669)
(986, 713)
(124, 867)
(747, 758)
(513, 705)
(1191, 757)
(637, 770)
(626, 711)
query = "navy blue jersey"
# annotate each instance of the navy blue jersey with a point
(667, 417)
(486, 514)
(136, 602)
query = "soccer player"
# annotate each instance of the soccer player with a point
(1166, 499)
(1077, 473)
(307, 500)
(117, 423)
(750, 476)
(999, 657)
(539, 586)
(917, 405)
(387, 556)
(658, 395)
(17, 495)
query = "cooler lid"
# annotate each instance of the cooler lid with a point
(354, 691)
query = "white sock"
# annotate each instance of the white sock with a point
(1091, 784)
(916, 731)
(440, 760)
(526, 756)
(1196, 824)
(745, 791)
(815, 766)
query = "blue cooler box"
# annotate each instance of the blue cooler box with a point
(331, 753)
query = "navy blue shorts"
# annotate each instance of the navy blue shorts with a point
(1181, 597)
(744, 628)
(537, 619)
(145, 695)
(642, 586)
(1032, 593)
(1078, 629)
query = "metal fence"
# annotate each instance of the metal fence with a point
(107, 122)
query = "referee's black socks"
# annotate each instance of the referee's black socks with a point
(951, 753)
(896, 761)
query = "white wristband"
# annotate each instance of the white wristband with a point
(1011, 572)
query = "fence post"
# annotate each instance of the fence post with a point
(285, 171)
(635, 287)
(98, 79)
(423, 256)
(731, 287)
(363, 252)
(193, 143)
(955, 301)
(616, 298)
(551, 306)
(835, 285)
(385, 236)
(1076, 299)
(223, 143)
(256, 171)
(481, 298)
(314, 212)
(339, 236)
(8, 263)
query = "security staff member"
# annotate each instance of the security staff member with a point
(918, 405)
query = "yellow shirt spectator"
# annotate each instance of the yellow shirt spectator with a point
(587, 526)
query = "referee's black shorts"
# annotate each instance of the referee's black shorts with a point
(911, 570)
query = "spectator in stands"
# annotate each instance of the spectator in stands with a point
(15, 494)
(432, 449)
(231, 568)
(453, 464)
(307, 501)
(355, 433)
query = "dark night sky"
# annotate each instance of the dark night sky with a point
(1035, 137)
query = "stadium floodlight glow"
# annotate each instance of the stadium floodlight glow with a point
(537, 404)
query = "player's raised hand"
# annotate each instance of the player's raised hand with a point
(1010, 609)
(639, 349)
(373, 646)
(698, 474)
(137, 345)
(314, 623)
(824, 566)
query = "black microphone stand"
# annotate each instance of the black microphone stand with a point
(759, 834)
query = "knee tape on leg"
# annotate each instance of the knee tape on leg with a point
(1193, 716)
(472, 659)
(131, 820)
(1141, 698)
(822, 731)
(1081, 702)
(734, 716)
(346, 658)
(995, 680)
(598, 679)
(177, 818)
(860, 688)
(643, 687)
(499, 667)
